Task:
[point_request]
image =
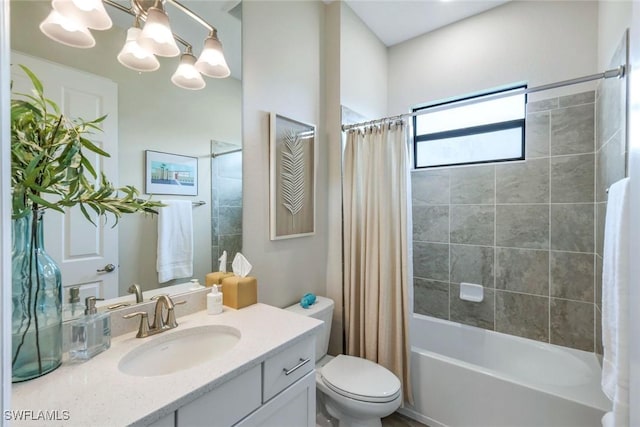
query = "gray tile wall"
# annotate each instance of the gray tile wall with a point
(523, 230)
(226, 207)
(611, 152)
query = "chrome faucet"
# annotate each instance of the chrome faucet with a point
(160, 323)
(135, 289)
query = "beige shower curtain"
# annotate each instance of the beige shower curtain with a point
(376, 248)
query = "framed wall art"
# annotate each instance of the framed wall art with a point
(292, 178)
(167, 173)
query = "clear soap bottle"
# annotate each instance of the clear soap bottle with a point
(90, 334)
(70, 312)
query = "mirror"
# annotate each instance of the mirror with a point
(153, 114)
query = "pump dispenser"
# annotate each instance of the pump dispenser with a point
(214, 300)
(90, 334)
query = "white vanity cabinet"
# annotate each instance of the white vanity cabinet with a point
(278, 392)
(266, 379)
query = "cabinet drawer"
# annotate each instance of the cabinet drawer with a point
(225, 405)
(288, 366)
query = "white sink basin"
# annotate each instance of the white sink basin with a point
(166, 354)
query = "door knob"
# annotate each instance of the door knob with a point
(107, 268)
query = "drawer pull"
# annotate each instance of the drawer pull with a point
(295, 368)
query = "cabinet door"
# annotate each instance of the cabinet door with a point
(294, 407)
(224, 405)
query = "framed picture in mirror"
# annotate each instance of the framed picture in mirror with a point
(167, 173)
(292, 178)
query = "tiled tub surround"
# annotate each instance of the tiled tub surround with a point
(610, 159)
(226, 206)
(524, 230)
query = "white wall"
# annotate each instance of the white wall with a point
(282, 73)
(153, 114)
(363, 67)
(613, 18)
(534, 41)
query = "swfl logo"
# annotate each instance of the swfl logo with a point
(38, 415)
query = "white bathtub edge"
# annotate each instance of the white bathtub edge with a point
(416, 416)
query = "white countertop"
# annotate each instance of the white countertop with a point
(96, 393)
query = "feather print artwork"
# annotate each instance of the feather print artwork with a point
(292, 174)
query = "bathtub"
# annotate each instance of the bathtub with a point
(467, 376)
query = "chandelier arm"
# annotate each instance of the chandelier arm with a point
(191, 14)
(143, 17)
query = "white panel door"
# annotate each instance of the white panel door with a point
(80, 248)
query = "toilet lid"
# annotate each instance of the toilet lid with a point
(360, 379)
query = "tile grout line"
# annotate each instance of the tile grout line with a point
(449, 250)
(506, 247)
(549, 279)
(495, 242)
(595, 216)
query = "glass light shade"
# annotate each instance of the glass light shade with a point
(186, 76)
(156, 35)
(90, 13)
(66, 31)
(211, 61)
(136, 57)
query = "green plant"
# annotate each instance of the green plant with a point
(49, 169)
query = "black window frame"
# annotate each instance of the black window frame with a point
(473, 130)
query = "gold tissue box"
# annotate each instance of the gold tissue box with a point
(239, 292)
(215, 278)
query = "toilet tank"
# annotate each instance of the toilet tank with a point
(321, 310)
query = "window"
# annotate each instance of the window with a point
(484, 131)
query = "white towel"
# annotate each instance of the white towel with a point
(615, 307)
(175, 240)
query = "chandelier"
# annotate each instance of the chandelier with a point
(70, 22)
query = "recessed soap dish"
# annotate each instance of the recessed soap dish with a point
(471, 292)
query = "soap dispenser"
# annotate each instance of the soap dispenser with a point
(91, 334)
(70, 311)
(195, 285)
(73, 309)
(214, 300)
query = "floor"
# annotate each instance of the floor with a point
(394, 420)
(398, 420)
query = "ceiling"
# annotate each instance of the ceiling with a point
(392, 21)
(214, 12)
(395, 21)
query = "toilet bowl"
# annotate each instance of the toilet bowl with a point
(358, 392)
(355, 391)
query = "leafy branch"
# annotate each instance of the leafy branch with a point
(49, 167)
(292, 171)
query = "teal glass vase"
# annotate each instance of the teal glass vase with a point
(36, 321)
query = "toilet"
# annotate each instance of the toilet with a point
(353, 390)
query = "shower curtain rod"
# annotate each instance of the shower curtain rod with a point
(614, 72)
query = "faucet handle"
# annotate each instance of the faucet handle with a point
(143, 329)
(157, 297)
(119, 305)
(171, 315)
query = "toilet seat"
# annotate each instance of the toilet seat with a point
(360, 379)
